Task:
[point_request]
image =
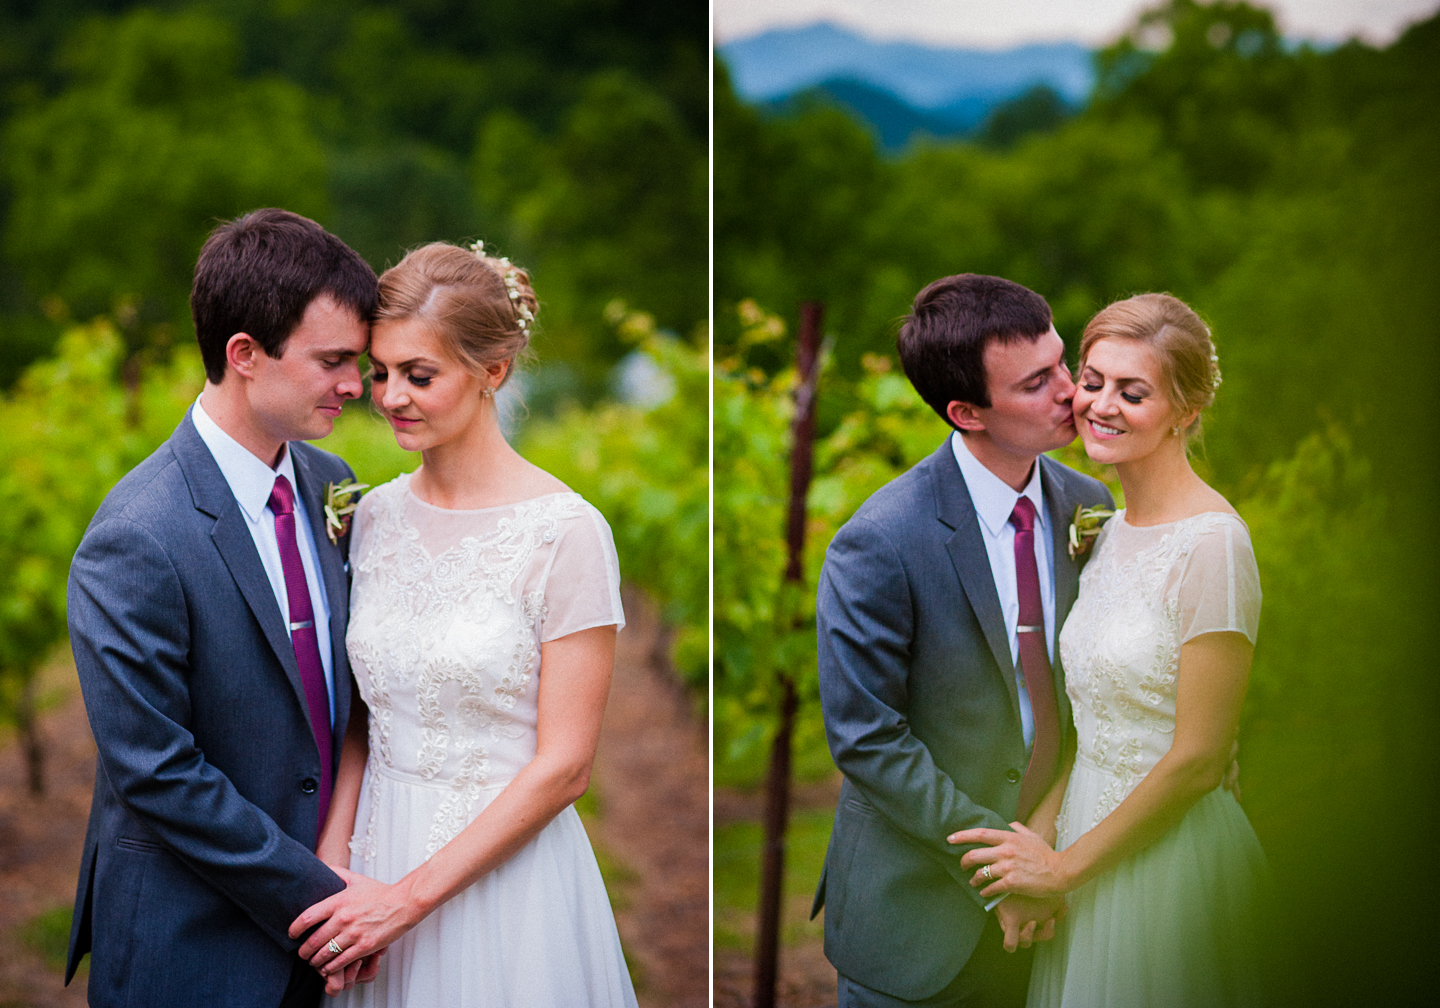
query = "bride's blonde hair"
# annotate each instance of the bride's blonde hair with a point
(480, 306)
(1180, 339)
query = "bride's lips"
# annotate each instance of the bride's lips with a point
(401, 423)
(1104, 432)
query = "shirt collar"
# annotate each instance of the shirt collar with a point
(994, 499)
(250, 479)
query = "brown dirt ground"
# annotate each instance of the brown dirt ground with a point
(652, 777)
(807, 980)
(650, 773)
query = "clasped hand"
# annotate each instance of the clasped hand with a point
(1020, 862)
(363, 918)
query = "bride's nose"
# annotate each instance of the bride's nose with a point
(393, 396)
(1105, 403)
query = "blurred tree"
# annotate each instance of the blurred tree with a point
(116, 182)
(795, 204)
(1216, 79)
(1038, 110)
(382, 123)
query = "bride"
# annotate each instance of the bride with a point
(482, 632)
(1161, 867)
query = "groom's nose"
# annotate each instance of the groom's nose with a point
(349, 384)
(1065, 388)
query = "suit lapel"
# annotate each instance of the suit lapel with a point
(332, 572)
(954, 508)
(1067, 572)
(236, 546)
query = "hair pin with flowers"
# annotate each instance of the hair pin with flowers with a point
(511, 276)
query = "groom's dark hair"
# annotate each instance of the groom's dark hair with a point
(259, 272)
(942, 341)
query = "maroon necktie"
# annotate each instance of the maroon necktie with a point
(1035, 663)
(302, 631)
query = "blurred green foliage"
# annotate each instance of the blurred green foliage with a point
(644, 465)
(71, 430)
(1289, 195)
(571, 133)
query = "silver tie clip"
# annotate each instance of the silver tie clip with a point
(306, 625)
(1029, 629)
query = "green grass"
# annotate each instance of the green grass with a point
(737, 878)
(49, 934)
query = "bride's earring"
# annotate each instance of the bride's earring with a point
(1175, 430)
(488, 392)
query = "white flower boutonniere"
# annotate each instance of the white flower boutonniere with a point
(1085, 528)
(341, 500)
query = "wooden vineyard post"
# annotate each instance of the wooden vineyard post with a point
(777, 779)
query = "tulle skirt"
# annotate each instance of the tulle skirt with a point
(537, 932)
(1174, 925)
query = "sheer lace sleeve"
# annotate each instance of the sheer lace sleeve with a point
(1220, 585)
(582, 584)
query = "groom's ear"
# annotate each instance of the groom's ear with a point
(965, 416)
(240, 353)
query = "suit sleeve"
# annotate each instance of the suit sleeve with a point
(130, 631)
(866, 623)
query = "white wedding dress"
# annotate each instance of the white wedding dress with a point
(1173, 924)
(448, 612)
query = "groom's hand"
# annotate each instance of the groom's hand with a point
(358, 972)
(1025, 920)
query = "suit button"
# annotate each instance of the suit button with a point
(1013, 776)
(309, 786)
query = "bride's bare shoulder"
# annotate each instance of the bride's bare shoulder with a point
(536, 482)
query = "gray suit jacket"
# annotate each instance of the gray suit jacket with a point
(198, 853)
(922, 716)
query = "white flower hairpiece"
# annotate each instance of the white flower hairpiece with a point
(1215, 381)
(511, 276)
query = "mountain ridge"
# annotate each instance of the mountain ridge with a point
(768, 67)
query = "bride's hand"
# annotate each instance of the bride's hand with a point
(362, 919)
(1019, 862)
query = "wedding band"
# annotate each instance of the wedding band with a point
(986, 872)
(333, 946)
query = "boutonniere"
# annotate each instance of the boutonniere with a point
(341, 500)
(1085, 528)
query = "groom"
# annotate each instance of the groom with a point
(938, 610)
(207, 613)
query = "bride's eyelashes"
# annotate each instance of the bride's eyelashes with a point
(1129, 397)
(419, 381)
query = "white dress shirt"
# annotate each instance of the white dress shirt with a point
(251, 481)
(994, 501)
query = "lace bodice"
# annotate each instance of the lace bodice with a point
(1144, 593)
(448, 611)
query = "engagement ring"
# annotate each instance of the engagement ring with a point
(983, 871)
(333, 946)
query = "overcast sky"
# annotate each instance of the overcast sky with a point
(993, 24)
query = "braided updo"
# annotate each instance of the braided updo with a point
(1180, 339)
(482, 307)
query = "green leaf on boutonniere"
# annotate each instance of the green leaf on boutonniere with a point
(1085, 527)
(341, 500)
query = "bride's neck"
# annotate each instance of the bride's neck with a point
(475, 469)
(1160, 487)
